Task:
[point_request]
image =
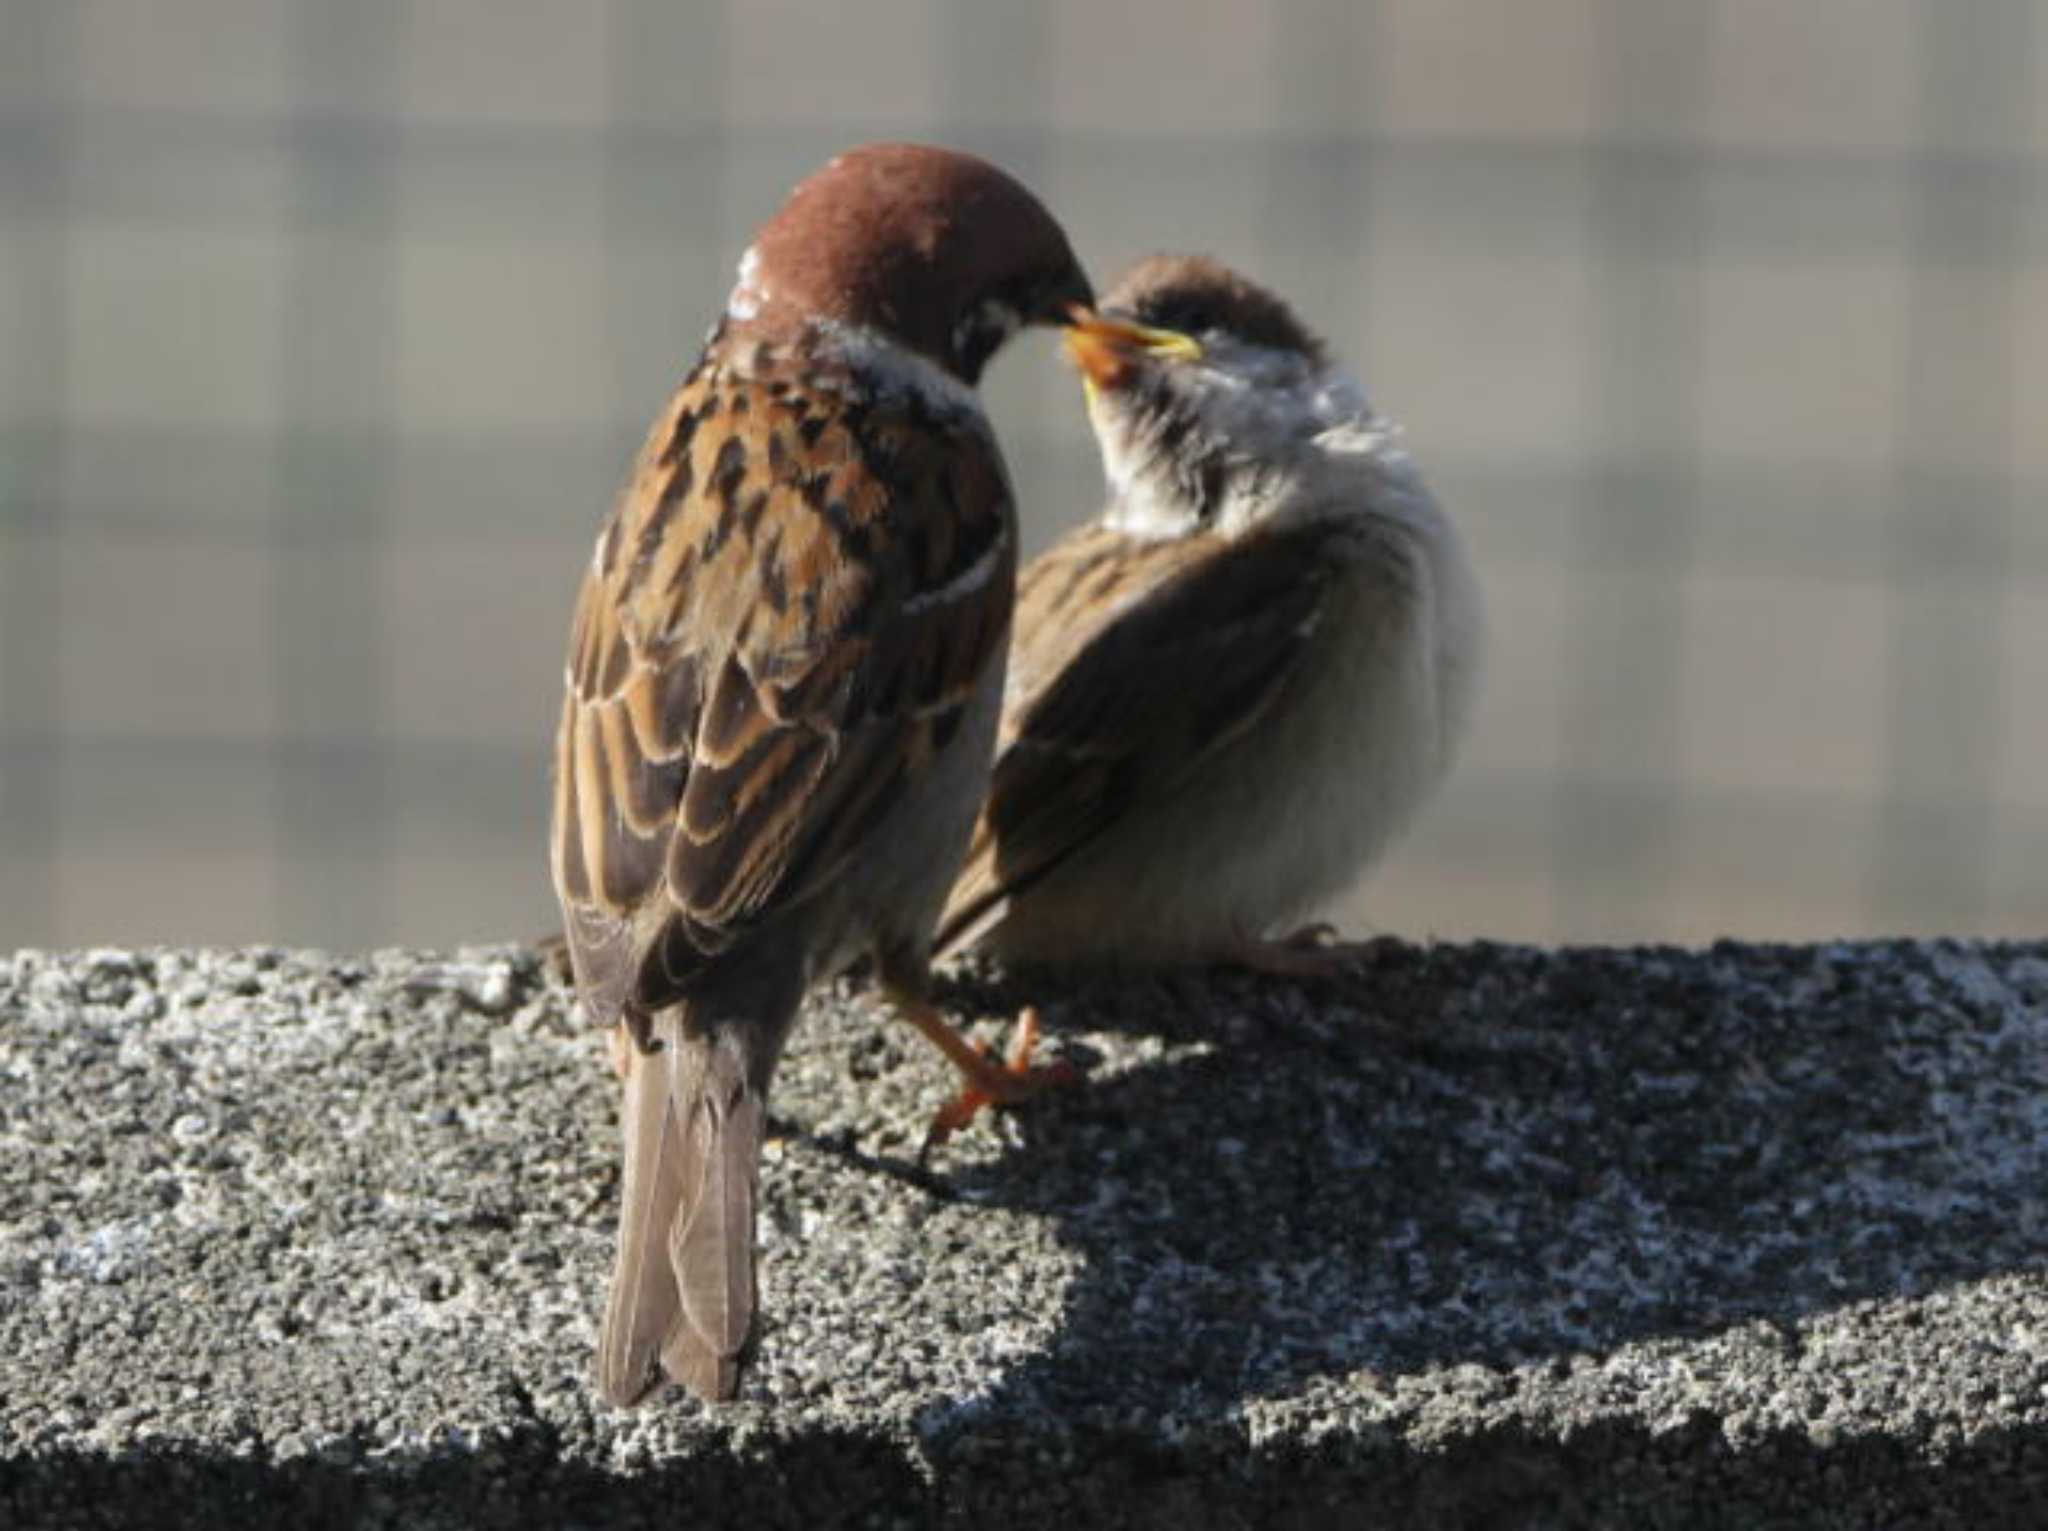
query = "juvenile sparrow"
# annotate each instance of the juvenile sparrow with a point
(1229, 692)
(783, 682)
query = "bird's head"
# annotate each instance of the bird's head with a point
(924, 247)
(1204, 390)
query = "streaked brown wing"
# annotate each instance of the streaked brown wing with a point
(780, 627)
(1134, 662)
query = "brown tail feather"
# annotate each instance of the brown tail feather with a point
(644, 1301)
(683, 1294)
(712, 1247)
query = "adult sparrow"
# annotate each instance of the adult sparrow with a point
(1229, 692)
(784, 677)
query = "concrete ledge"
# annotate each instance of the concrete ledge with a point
(1482, 1236)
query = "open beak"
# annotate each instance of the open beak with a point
(1108, 351)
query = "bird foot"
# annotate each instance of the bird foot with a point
(1310, 952)
(1003, 1083)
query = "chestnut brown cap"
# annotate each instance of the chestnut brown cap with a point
(932, 248)
(1194, 295)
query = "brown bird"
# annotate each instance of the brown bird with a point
(1229, 692)
(783, 682)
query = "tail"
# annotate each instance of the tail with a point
(683, 1293)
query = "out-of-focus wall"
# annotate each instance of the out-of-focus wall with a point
(326, 330)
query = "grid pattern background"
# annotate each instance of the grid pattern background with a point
(327, 328)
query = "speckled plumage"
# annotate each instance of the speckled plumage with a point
(782, 687)
(703, 754)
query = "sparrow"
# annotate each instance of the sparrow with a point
(1229, 692)
(784, 675)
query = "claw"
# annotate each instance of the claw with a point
(1006, 1083)
(1312, 937)
(1310, 952)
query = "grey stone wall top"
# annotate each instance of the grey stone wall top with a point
(1480, 1236)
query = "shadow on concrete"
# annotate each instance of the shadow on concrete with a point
(808, 1478)
(1510, 1478)
(1504, 1157)
(1605, 1475)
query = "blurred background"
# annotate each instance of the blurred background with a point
(327, 328)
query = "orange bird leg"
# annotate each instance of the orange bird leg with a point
(988, 1082)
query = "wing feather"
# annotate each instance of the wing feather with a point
(796, 597)
(1135, 662)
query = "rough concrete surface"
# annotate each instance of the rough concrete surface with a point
(1480, 1236)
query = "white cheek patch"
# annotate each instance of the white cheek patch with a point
(890, 367)
(1144, 501)
(1278, 416)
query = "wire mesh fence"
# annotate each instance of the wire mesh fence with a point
(327, 328)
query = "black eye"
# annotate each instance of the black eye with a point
(980, 333)
(1186, 316)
